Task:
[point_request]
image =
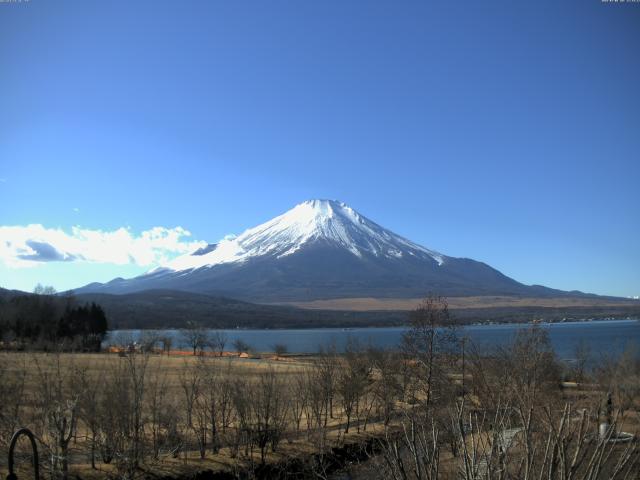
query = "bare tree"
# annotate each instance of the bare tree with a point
(269, 406)
(353, 380)
(192, 383)
(213, 401)
(429, 343)
(387, 389)
(89, 403)
(161, 417)
(136, 368)
(195, 336)
(412, 453)
(122, 414)
(326, 367)
(240, 392)
(111, 398)
(241, 346)
(321, 383)
(280, 349)
(218, 341)
(13, 374)
(57, 404)
(299, 398)
(620, 376)
(149, 340)
(534, 368)
(166, 341)
(123, 341)
(225, 396)
(44, 290)
(582, 354)
(555, 447)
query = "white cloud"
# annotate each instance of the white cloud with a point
(31, 245)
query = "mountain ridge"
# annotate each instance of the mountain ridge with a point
(322, 249)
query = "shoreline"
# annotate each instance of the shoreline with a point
(385, 327)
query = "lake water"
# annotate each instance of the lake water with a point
(602, 336)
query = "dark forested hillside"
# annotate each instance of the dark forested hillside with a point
(173, 309)
(155, 309)
(45, 319)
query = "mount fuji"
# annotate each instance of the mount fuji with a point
(321, 249)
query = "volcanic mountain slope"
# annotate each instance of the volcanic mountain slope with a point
(322, 249)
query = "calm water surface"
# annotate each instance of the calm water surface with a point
(602, 336)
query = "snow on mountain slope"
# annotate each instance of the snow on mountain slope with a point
(320, 249)
(327, 221)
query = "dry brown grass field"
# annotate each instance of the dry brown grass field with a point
(174, 372)
(393, 304)
(144, 415)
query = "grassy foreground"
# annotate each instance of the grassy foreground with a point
(174, 390)
(454, 413)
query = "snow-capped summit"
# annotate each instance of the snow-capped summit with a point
(320, 249)
(327, 221)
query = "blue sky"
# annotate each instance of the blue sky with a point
(507, 132)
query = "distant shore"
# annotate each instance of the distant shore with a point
(363, 304)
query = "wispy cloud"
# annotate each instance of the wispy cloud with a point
(31, 245)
